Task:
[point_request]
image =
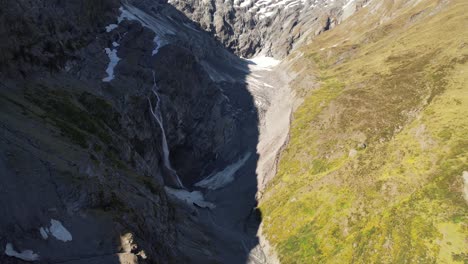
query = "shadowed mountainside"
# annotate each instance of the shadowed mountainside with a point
(79, 144)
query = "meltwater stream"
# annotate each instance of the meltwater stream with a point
(156, 112)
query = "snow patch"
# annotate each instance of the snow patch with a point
(191, 198)
(264, 62)
(220, 179)
(267, 8)
(158, 43)
(26, 255)
(57, 230)
(111, 27)
(113, 61)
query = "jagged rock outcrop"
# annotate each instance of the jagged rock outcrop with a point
(273, 28)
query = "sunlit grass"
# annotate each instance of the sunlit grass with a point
(401, 88)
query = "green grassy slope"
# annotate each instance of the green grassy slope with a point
(373, 170)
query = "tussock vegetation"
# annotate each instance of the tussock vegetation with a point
(373, 170)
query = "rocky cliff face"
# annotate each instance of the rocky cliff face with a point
(270, 27)
(81, 160)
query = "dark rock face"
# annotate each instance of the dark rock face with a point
(88, 153)
(271, 27)
(198, 116)
(67, 155)
(35, 37)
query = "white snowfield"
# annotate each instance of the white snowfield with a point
(262, 9)
(191, 198)
(267, 8)
(113, 61)
(26, 255)
(57, 230)
(222, 178)
(264, 62)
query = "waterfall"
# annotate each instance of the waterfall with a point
(156, 112)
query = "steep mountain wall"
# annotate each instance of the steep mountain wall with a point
(273, 28)
(79, 144)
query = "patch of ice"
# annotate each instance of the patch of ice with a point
(191, 198)
(113, 61)
(111, 27)
(57, 230)
(26, 255)
(115, 44)
(222, 178)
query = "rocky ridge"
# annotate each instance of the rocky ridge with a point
(270, 27)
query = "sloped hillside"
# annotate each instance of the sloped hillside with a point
(374, 169)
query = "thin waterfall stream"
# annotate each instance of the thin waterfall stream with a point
(156, 112)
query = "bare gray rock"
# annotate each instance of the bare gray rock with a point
(273, 27)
